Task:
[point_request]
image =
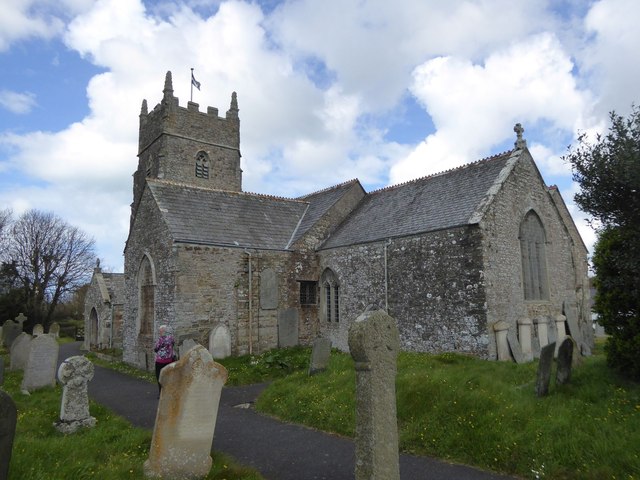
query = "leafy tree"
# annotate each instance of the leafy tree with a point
(51, 259)
(608, 172)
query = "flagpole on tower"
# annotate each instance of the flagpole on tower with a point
(192, 77)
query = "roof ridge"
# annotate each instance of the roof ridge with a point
(437, 174)
(333, 187)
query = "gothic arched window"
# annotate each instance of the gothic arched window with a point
(146, 296)
(202, 165)
(331, 296)
(534, 262)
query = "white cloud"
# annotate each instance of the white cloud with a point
(16, 102)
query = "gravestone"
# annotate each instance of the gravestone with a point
(525, 338)
(544, 369)
(565, 357)
(8, 420)
(10, 330)
(54, 330)
(186, 417)
(374, 344)
(186, 345)
(502, 344)
(514, 347)
(1, 336)
(288, 328)
(38, 329)
(320, 355)
(41, 367)
(74, 374)
(20, 351)
(268, 289)
(220, 342)
(21, 319)
(1, 371)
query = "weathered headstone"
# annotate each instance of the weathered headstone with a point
(561, 330)
(41, 367)
(544, 369)
(288, 328)
(565, 357)
(20, 351)
(10, 330)
(514, 347)
(185, 346)
(220, 342)
(320, 355)
(524, 337)
(502, 344)
(74, 374)
(54, 330)
(268, 289)
(542, 322)
(186, 417)
(21, 318)
(374, 344)
(38, 329)
(8, 420)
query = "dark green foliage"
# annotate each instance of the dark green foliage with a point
(272, 364)
(608, 172)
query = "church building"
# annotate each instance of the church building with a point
(449, 256)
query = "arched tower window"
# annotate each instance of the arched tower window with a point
(146, 295)
(534, 261)
(330, 296)
(202, 165)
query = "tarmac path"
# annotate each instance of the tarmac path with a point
(278, 450)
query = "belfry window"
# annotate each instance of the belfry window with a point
(330, 306)
(202, 165)
(534, 262)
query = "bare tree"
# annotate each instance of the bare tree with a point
(5, 221)
(51, 258)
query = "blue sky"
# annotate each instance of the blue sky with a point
(328, 91)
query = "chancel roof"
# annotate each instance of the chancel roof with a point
(440, 201)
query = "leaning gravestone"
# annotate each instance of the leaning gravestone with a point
(54, 330)
(544, 369)
(220, 342)
(41, 367)
(10, 330)
(20, 351)
(186, 417)
(75, 373)
(565, 357)
(374, 345)
(320, 355)
(38, 329)
(8, 419)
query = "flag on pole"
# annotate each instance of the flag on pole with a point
(194, 82)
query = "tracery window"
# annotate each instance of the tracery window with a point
(534, 262)
(331, 296)
(202, 165)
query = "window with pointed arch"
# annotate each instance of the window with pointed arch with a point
(534, 261)
(146, 295)
(202, 165)
(330, 296)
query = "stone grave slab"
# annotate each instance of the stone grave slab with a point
(40, 371)
(268, 289)
(220, 342)
(20, 351)
(186, 417)
(74, 374)
(10, 330)
(514, 346)
(544, 369)
(38, 329)
(186, 345)
(374, 344)
(565, 359)
(54, 330)
(320, 354)
(570, 310)
(288, 328)
(21, 318)
(8, 421)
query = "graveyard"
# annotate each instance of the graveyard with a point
(454, 407)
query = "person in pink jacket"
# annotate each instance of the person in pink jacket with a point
(164, 352)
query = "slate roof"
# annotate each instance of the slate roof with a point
(115, 285)
(440, 201)
(215, 217)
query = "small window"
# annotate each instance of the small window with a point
(308, 293)
(202, 165)
(330, 303)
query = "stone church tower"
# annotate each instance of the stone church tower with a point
(188, 146)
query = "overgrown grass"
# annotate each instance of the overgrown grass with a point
(112, 450)
(485, 414)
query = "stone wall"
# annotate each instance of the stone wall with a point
(108, 310)
(435, 289)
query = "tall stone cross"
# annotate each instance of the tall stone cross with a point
(374, 344)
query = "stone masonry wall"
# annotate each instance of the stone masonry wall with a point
(435, 289)
(522, 191)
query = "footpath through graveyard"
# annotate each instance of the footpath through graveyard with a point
(278, 450)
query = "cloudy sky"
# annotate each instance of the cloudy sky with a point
(328, 90)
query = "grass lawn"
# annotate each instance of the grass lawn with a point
(485, 414)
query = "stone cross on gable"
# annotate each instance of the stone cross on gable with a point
(520, 142)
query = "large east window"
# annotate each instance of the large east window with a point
(534, 261)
